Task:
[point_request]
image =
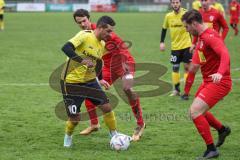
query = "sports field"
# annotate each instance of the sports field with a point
(30, 50)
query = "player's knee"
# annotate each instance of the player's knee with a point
(75, 119)
(176, 67)
(106, 108)
(194, 112)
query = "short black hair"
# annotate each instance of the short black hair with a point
(81, 13)
(104, 21)
(192, 15)
(179, 0)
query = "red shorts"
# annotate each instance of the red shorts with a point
(234, 20)
(211, 92)
(111, 74)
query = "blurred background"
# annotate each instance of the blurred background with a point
(96, 5)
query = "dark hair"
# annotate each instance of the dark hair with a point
(179, 0)
(192, 15)
(104, 21)
(81, 13)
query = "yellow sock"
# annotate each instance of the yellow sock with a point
(1, 25)
(110, 120)
(175, 78)
(185, 76)
(70, 127)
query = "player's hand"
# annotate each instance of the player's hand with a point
(88, 62)
(192, 48)
(216, 77)
(105, 84)
(162, 46)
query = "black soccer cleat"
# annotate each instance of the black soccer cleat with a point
(222, 136)
(208, 154)
(185, 97)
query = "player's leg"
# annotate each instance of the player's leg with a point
(197, 110)
(207, 96)
(72, 105)
(175, 73)
(1, 22)
(134, 101)
(94, 125)
(100, 99)
(187, 58)
(223, 131)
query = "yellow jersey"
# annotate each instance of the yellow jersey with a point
(180, 38)
(86, 46)
(219, 7)
(196, 5)
(2, 4)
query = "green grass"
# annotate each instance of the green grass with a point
(29, 129)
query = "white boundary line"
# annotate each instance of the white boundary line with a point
(47, 84)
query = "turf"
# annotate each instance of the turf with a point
(30, 50)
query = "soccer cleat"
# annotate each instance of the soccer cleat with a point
(67, 141)
(222, 136)
(138, 132)
(174, 93)
(185, 97)
(112, 133)
(208, 154)
(89, 130)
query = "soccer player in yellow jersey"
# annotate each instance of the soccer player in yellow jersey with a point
(2, 4)
(78, 79)
(218, 6)
(196, 4)
(180, 43)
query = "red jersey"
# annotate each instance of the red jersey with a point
(234, 9)
(212, 55)
(115, 46)
(214, 19)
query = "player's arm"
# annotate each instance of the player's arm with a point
(221, 50)
(163, 33)
(69, 50)
(163, 36)
(224, 26)
(193, 68)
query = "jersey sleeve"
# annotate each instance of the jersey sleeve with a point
(224, 26)
(165, 22)
(78, 39)
(221, 50)
(195, 57)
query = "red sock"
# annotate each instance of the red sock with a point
(204, 129)
(91, 109)
(137, 111)
(213, 122)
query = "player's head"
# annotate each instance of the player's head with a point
(192, 21)
(82, 18)
(105, 26)
(176, 5)
(206, 4)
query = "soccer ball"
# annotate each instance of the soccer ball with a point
(120, 142)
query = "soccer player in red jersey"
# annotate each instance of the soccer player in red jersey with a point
(118, 63)
(234, 10)
(213, 19)
(212, 57)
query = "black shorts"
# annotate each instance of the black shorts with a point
(1, 16)
(183, 55)
(75, 93)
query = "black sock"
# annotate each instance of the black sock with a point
(221, 130)
(177, 87)
(211, 147)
